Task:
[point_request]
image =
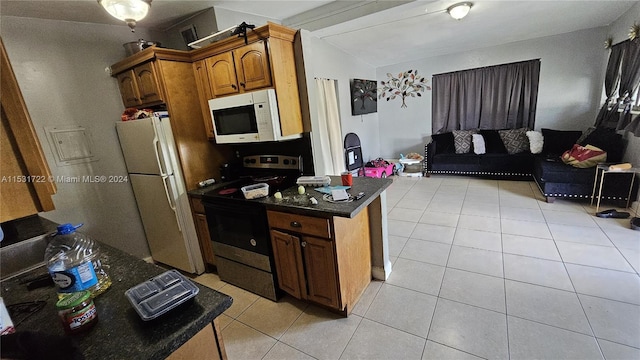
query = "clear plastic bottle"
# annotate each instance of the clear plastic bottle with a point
(74, 262)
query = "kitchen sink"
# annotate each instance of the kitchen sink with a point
(23, 256)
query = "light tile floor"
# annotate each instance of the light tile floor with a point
(481, 269)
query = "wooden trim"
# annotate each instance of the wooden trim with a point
(22, 128)
(148, 54)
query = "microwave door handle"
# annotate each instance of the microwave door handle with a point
(172, 204)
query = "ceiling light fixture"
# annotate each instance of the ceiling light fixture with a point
(458, 11)
(128, 11)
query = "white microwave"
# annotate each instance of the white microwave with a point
(246, 118)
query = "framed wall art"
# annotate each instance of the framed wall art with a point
(363, 96)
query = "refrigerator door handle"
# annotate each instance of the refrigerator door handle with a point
(172, 204)
(156, 146)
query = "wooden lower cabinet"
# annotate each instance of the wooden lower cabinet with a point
(332, 271)
(202, 230)
(205, 345)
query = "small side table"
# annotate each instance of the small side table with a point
(603, 169)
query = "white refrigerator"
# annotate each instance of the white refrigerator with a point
(154, 173)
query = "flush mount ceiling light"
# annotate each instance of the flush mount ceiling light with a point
(458, 11)
(128, 11)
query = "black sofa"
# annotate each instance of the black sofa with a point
(554, 178)
(441, 158)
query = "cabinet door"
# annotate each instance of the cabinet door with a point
(222, 74)
(129, 89)
(202, 229)
(322, 284)
(288, 259)
(252, 66)
(204, 92)
(148, 84)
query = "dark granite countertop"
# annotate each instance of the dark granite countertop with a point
(120, 333)
(300, 204)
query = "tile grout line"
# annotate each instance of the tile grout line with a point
(435, 306)
(504, 279)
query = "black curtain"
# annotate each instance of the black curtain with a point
(495, 97)
(610, 84)
(629, 81)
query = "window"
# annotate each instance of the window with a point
(495, 97)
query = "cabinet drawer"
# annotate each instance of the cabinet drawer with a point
(196, 205)
(299, 223)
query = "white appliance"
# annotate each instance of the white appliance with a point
(154, 172)
(246, 118)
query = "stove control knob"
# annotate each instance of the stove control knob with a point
(246, 161)
(293, 161)
(253, 161)
(286, 161)
(253, 242)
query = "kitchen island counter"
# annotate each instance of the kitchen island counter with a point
(119, 332)
(301, 204)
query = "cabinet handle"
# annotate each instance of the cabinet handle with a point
(242, 84)
(295, 224)
(303, 244)
(141, 97)
(233, 86)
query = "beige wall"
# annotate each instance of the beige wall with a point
(60, 67)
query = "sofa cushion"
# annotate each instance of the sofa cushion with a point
(462, 140)
(555, 171)
(607, 140)
(444, 143)
(558, 141)
(515, 140)
(493, 142)
(521, 163)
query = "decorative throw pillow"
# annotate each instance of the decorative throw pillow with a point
(478, 144)
(584, 156)
(557, 142)
(515, 140)
(493, 142)
(536, 141)
(462, 140)
(444, 143)
(584, 135)
(608, 140)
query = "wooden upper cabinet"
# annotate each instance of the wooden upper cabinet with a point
(139, 86)
(204, 93)
(239, 70)
(148, 86)
(129, 89)
(222, 74)
(252, 66)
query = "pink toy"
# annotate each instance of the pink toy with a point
(379, 168)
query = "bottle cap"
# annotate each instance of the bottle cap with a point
(67, 228)
(73, 300)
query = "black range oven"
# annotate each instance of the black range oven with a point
(239, 228)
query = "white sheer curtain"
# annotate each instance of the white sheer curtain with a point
(330, 133)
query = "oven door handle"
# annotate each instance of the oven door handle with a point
(170, 200)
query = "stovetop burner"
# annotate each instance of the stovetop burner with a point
(278, 171)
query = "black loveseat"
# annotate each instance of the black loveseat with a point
(554, 178)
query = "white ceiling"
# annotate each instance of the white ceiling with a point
(401, 32)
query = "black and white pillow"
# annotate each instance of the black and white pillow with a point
(515, 140)
(462, 140)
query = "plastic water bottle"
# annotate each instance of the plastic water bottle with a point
(74, 262)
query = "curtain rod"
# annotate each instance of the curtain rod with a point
(485, 67)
